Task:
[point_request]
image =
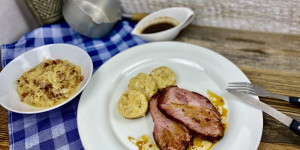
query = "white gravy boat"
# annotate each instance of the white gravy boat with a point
(179, 16)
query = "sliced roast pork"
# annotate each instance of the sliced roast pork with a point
(168, 134)
(193, 110)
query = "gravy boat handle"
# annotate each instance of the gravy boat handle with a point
(189, 18)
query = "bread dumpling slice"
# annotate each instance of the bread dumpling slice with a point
(163, 77)
(143, 83)
(132, 104)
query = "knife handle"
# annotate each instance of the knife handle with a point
(294, 100)
(295, 127)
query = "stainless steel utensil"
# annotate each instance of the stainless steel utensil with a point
(92, 18)
(253, 89)
(293, 124)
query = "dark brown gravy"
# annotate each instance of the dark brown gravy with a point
(143, 142)
(158, 27)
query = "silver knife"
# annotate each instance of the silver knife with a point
(293, 124)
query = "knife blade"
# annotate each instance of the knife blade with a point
(293, 124)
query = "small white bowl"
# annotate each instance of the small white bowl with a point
(181, 16)
(9, 97)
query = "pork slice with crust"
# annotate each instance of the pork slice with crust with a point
(193, 110)
(168, 134)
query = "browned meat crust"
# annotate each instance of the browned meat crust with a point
(193, 110)
(168, 134)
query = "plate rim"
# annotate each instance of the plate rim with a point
(167, 42)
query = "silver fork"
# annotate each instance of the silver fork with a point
(253, 89)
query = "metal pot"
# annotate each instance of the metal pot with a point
(92, 18)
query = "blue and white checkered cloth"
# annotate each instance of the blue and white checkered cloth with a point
(57, 129)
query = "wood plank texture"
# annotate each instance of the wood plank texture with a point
(4, 142)
(274, 146)
(251, 49)
(269, 60)
(256, 15)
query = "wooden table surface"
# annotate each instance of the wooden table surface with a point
(269, 60)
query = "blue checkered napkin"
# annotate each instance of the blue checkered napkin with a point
(57, 129)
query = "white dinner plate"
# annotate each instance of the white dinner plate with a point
(197, 69)
(9, 97)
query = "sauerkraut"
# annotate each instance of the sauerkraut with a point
(49, 83)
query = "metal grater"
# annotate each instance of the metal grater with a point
(45, 11)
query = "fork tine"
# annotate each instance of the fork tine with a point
(247, 83)
(249, 92)
(237, 85)
(241, 89)
(240, 84)
(252, 92)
